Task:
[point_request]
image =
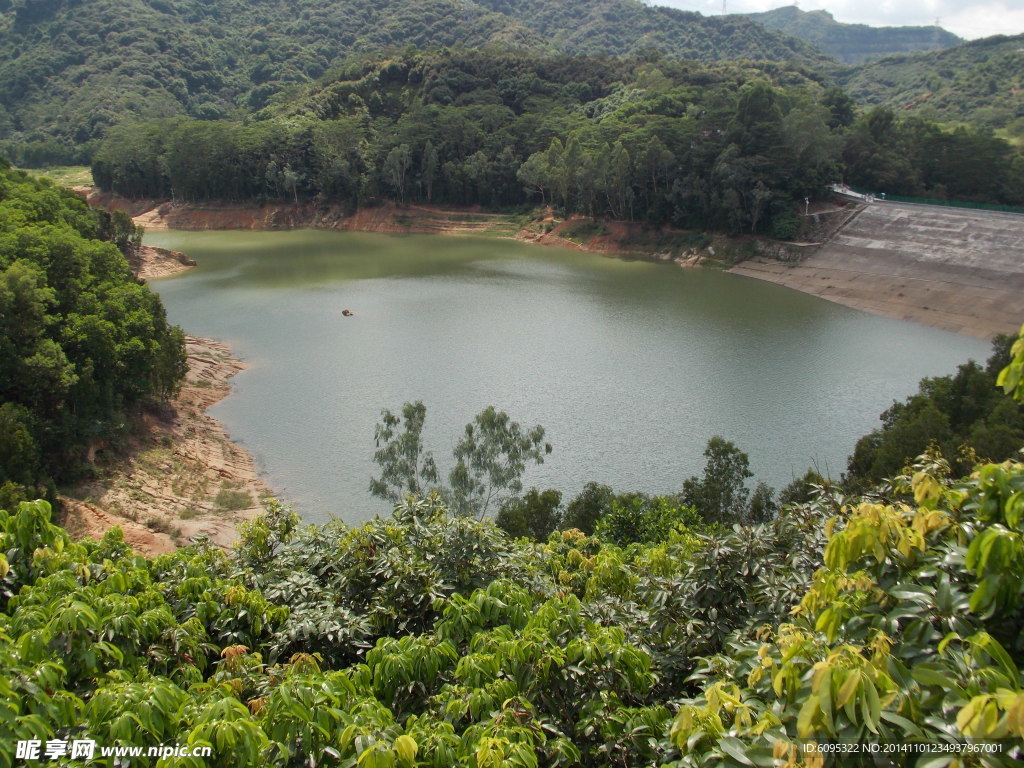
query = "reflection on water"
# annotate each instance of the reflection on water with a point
(630, 366)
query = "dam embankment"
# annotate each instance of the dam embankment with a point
(957, 269)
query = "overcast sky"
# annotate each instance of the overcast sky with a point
(968, 19)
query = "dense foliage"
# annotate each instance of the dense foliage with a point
(719, 499)
(432, 639)
(853, 43)
(917, 158)
(964, 414)
(71, 70)
(80, 339)
(910, 633)
(427, 639)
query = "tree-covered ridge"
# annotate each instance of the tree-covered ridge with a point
(980, 82)
(71, 70)
(589, 27)
(853, 43)
(730, 146)
(81, 340)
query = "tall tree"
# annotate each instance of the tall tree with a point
(396, 169)
(721, 495)
(490, 460)
(406, 468)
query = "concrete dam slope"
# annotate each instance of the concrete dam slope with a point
(952, 268)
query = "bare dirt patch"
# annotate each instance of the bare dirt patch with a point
(149, 262)
(179, 475)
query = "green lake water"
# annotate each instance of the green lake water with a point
(630, 366)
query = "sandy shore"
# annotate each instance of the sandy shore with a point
(976, 311)
(149, 262)
(179, 475)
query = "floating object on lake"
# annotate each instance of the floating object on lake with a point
(347, 313)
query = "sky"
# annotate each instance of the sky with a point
(968, 19)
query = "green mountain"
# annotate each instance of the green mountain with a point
(69, 69)
(979, 82)
(853, 43)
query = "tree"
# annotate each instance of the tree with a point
(721, 496)
(586, 510)
(396, 168)
(20, 467)
(290, 181)
(803, 489)
(840, 105)
(536, 515)
(428, 168)
(957, 412)
(636, 518)
(1011, 377)
(490, 461)
(762, 504)
(620, 172)
(535, 174)
(405, 467)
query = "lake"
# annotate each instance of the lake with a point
(630, 366)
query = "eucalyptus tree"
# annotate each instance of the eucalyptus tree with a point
(490, 459)
(406, 468)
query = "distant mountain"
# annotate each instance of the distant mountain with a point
(69, 69)
(853, 43)
(980, 82)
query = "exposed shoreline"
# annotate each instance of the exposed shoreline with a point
(178, 475)
(950, 306)
(149, 262)
(951, 268)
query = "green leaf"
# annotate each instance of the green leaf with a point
(406, 748)
(735, 749)
(870, 706)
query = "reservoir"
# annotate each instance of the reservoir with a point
(630, 366)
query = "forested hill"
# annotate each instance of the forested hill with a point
(727, 146)
(853, 43)
(980, 82)
(69, 69)
(82, 343)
